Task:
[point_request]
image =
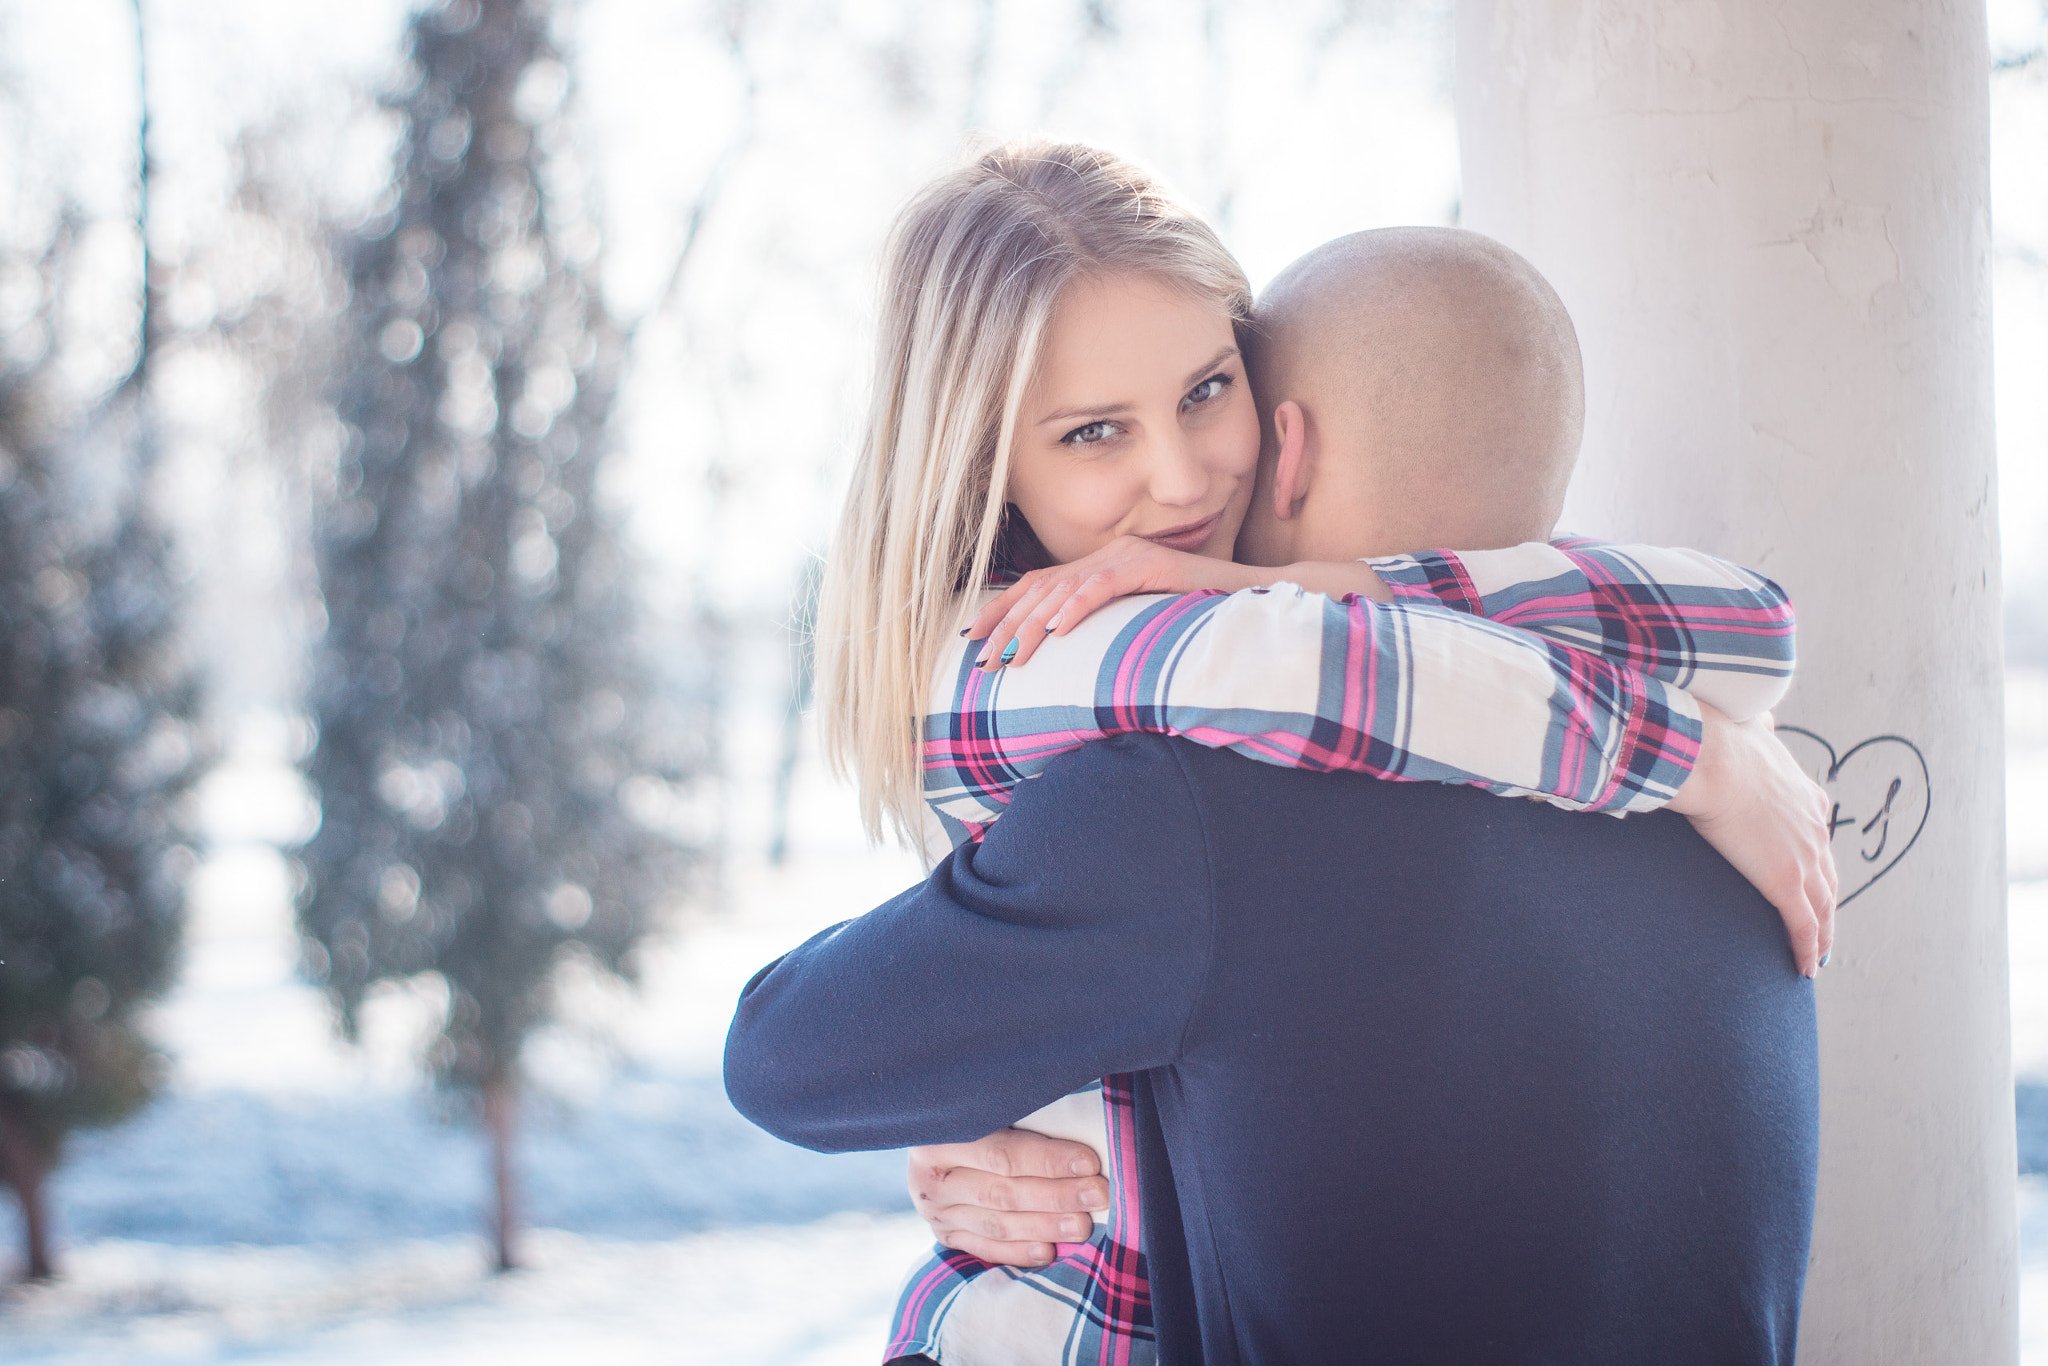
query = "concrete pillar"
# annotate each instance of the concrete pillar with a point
(1770, 221)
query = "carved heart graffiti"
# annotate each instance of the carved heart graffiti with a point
(1879, 788)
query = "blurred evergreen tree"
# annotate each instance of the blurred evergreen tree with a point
(97, 744)
(99, 738)
(484, 719)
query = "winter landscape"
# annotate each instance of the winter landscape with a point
(293, 1195)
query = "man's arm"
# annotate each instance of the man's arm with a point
(1068, 945)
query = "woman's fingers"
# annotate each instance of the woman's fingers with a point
(1787, 886)
(971, 1189)
(1009, 1226)
(1008, 1197)
(1009, 1152)
(1013, 1226)
(999, 606)
(1803, 925)
(1067, 601)
(997, 1252)
(1054, 601)
(1827, 850)
(996, 1232)
(1822, 886)
(1095, 592)
(998, 649)
(1820, 891)
(1751, 801)
(1032, 630)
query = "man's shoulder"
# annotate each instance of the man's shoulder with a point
(1120, 770)
(1223, 778)
(1240, 799)
(1125, 799)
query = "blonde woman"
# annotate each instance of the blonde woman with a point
(1061, 381)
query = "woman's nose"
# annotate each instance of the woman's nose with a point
(1179, 478)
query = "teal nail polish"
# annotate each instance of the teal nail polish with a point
(1009, 652)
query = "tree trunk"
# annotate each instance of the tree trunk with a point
(24, 1167)
(501, 1095)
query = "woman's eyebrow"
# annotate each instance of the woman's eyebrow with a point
(1103, 410)
(1208, 367)
(1095, 412)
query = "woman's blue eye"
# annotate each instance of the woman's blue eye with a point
(1210, 388)
(1093, 434)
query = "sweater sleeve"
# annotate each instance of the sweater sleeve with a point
(1723, 633)
(1070, 944)
(1410, 690)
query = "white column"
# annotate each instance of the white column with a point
(1770, 222)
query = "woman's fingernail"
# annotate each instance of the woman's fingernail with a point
(1095, 1197)
(1052, 626)
(981, 658)
(1041, 1254)
(1081, 1166)
(1009, 652)
(1824, 957)
(965, 629)
(1074, 1226)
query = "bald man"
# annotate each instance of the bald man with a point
(1417, 1074)
(1420, 387)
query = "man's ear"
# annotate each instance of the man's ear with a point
(1292, 469)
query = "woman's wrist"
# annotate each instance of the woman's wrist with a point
(1700, 795)
(1332, 578)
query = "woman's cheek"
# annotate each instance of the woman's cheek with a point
(1101, 498)
(1233, 448)
(1075, 510)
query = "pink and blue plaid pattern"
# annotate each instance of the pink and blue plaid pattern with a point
(1567, 671)
(1680, 616)
(1091, 1306)
(1554, 670)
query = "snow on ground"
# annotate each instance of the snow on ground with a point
(804, 1295)
(291, 1202)
(292, 1199)
(2033, 1270)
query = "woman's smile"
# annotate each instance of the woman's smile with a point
(1188, 536)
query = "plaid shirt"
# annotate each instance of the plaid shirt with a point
(1565, 671)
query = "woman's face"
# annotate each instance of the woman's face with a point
(1138, 422)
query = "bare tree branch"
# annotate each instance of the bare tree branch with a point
(145, 174)
(729, 158)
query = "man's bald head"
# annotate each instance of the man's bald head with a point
(1440, 379)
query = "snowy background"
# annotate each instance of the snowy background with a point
(291, 1199)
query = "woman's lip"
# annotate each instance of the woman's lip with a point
(1187, 537)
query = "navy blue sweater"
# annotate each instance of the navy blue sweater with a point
(1424, 1075)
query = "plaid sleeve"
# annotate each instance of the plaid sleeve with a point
(1409, 690)
(1721, 632)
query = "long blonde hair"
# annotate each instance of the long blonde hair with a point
(972, 272)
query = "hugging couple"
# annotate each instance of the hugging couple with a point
(1259, 1027)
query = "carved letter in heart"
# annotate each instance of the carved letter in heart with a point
(1880, 793)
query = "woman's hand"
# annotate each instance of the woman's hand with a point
(1054, 601)
(1750, 800)
(1009, 1197)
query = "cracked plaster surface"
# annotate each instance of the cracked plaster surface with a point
(1581, 44)
(1852, 245)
